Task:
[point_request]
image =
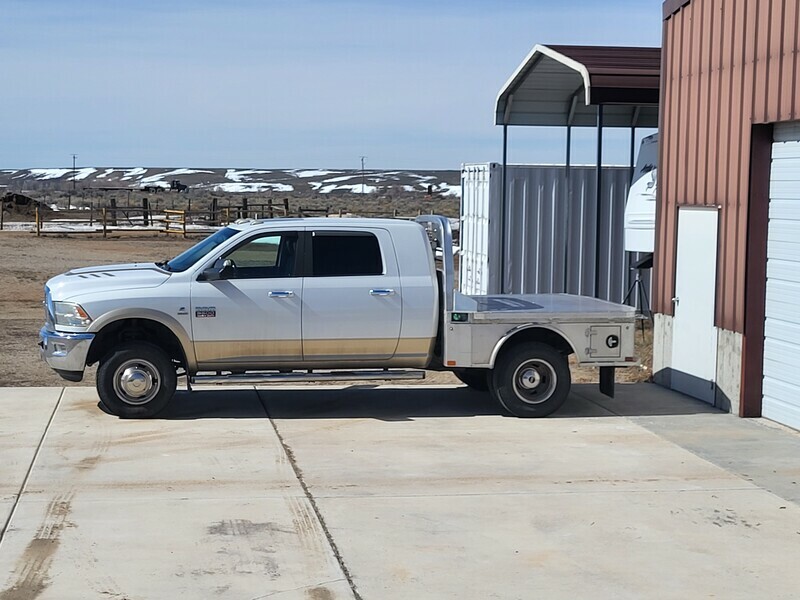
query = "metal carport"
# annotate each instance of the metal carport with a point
(582, 86)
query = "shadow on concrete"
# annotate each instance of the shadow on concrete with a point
(644, 400)
(414, 402)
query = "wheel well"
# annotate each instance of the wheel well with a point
(128, 330)
(541, 335)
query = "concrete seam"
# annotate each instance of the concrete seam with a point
(24, 485)
(310, 497)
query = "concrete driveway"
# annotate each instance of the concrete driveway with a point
(393, 492)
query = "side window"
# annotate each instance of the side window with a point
(269, 256)
(341, 254)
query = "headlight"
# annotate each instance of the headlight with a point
(71, 314)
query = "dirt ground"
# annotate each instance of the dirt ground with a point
(30, 261)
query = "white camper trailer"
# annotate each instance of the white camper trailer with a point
(640, 209)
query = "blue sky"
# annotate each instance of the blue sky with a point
(297, 83)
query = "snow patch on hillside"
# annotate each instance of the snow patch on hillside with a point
(312, 173)
(131, 173)
(243, 175)
(253, 187)
(173, 173)
(355, 188)
(49, 173)
(83, 173)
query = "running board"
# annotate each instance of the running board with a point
(305, 377)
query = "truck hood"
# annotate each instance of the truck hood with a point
(106, 278)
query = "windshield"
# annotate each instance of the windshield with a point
(186, 259)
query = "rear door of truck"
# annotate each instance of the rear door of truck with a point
(352, 299)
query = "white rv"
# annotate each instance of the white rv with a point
(640, 209)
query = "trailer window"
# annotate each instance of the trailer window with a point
(336, 254)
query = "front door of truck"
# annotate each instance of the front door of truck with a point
(253, 315)
(352, 299)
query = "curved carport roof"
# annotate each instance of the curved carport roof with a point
(563, 85)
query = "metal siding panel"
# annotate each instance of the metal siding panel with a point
(723, 167)
(670, 142)
(712, 116)
(746, 75)
(732, 318)
(685, 105)
(704, 84)
(781, 368)
(788, 55)
(692, 143)
(762, 53)
(774, 55)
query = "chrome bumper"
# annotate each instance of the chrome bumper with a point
(64, 351)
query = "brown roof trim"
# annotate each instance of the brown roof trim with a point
(670, 7)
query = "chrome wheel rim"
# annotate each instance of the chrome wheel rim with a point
(136, 382)
(535, 381)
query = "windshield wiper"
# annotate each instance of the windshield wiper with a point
(164, 264)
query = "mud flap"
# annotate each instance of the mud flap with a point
(607, 381)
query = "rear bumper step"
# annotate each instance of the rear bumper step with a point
(304, 377)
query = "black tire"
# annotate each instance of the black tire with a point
(531, 380)
(136, 380)
(477, 379)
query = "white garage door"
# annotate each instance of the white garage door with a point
(782, 326)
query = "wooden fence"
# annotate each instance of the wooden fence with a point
(174, 221)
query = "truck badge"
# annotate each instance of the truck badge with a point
(204, 312)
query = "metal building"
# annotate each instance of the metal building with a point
(727, 260)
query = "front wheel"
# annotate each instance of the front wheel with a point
(136, 380)
(531, 380)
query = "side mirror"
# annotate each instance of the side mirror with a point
(222, 269)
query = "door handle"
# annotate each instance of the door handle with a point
(676, 301)
(281, 294)
(386, 292)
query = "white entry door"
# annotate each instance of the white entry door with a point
(694, 337)
(781, 386)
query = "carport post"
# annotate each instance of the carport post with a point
(568, 195)
(503, 213)
(634, 122)
(599, 199)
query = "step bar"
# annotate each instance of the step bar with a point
(308, 377)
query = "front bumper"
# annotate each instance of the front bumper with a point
(65, 352)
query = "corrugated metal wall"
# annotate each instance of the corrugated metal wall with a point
(726, 65)
(550, 234)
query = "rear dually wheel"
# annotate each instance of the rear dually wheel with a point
(531, 380)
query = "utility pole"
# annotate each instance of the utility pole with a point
(74, 156)
(362, 174)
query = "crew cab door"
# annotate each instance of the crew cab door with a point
(253, 316)
(352, 299)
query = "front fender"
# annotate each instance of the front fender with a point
(152, 315)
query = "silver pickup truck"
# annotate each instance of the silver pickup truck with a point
(289, 300)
